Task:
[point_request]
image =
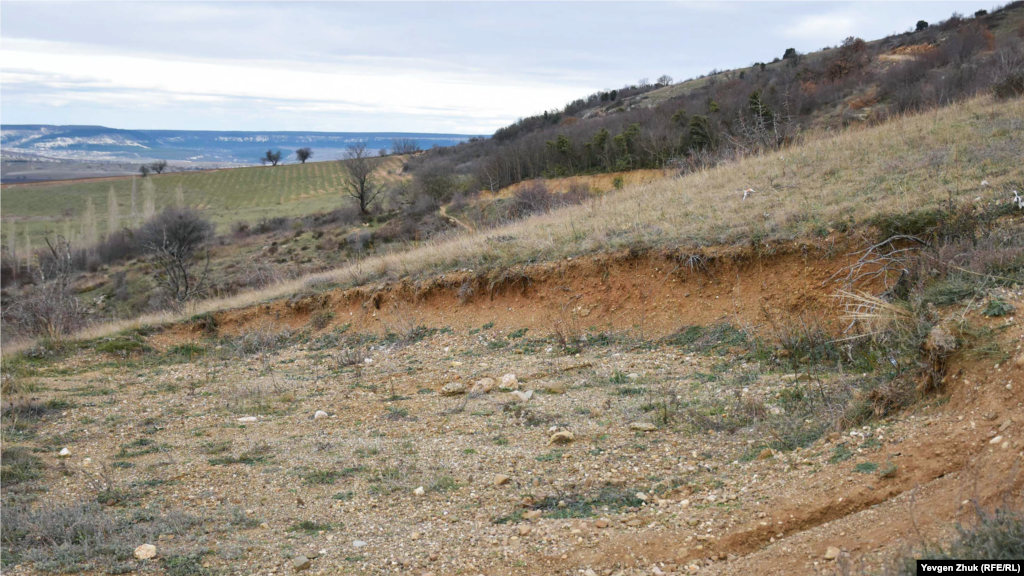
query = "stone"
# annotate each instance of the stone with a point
(419, 491)
(832, 553)
(247, 419)
(453, 389)
(64, 453)
(940, 341)
(501, 479)
(601, 523)
(643, 427)
(524, 530)
(563, 437)
(510, 381)
(483, 386)
(522, 396)
(532, 514)
(414, 536)
(301, 563)
(766, 454)
(555, 388)
(359, 544)
(996, 440)
(320, 415)
(145, 552)
(1020, 362)
(1006, 424)
(634, 523)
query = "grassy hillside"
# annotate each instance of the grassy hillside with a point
(831, 182)
(224, 195)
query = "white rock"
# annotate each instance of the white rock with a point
(247, 419)
(453, 389)
(145, 552)
(523, 396)
(483, 386)
(359, 544)
(510, 381)
(319, 415)
(995, 440)
(64, 453)
(419, 491)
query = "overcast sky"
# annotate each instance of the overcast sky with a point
(465, 68)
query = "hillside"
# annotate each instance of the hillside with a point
(725, 114)
(664, 380)
(677, 331)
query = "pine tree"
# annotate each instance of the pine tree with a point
(113, 220)
(148, 199)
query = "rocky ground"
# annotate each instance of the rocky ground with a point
(491, 451)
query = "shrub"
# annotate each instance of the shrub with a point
(995, 535)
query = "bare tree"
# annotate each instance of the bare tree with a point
(404, 146)
(271, 157)
(52, 310)
(173, 239)
(360, 183)
(304, 154)
(665, 80)
(144, 170)
(159, 166)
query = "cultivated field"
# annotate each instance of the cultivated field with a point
(225, 196)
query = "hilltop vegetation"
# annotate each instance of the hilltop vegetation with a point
(725, 115)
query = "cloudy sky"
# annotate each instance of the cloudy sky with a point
(463, 68)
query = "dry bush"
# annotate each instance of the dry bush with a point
(49, 308)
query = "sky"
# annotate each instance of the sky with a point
(457, 67)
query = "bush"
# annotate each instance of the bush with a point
(531, 198)
(180, 230)
(995, 535)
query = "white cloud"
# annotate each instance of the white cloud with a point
(824, 28)
(102, 78)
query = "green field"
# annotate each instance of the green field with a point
(225, 196)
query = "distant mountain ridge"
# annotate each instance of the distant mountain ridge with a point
(99, 143)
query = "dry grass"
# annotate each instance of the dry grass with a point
(911, 163)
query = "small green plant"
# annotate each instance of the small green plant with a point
(310, 527)
(997, 308)
(553, 456)
(618, 377)
(840, 453)
(865, 467)
(322, 477)
(888, 470)
(618, 182)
